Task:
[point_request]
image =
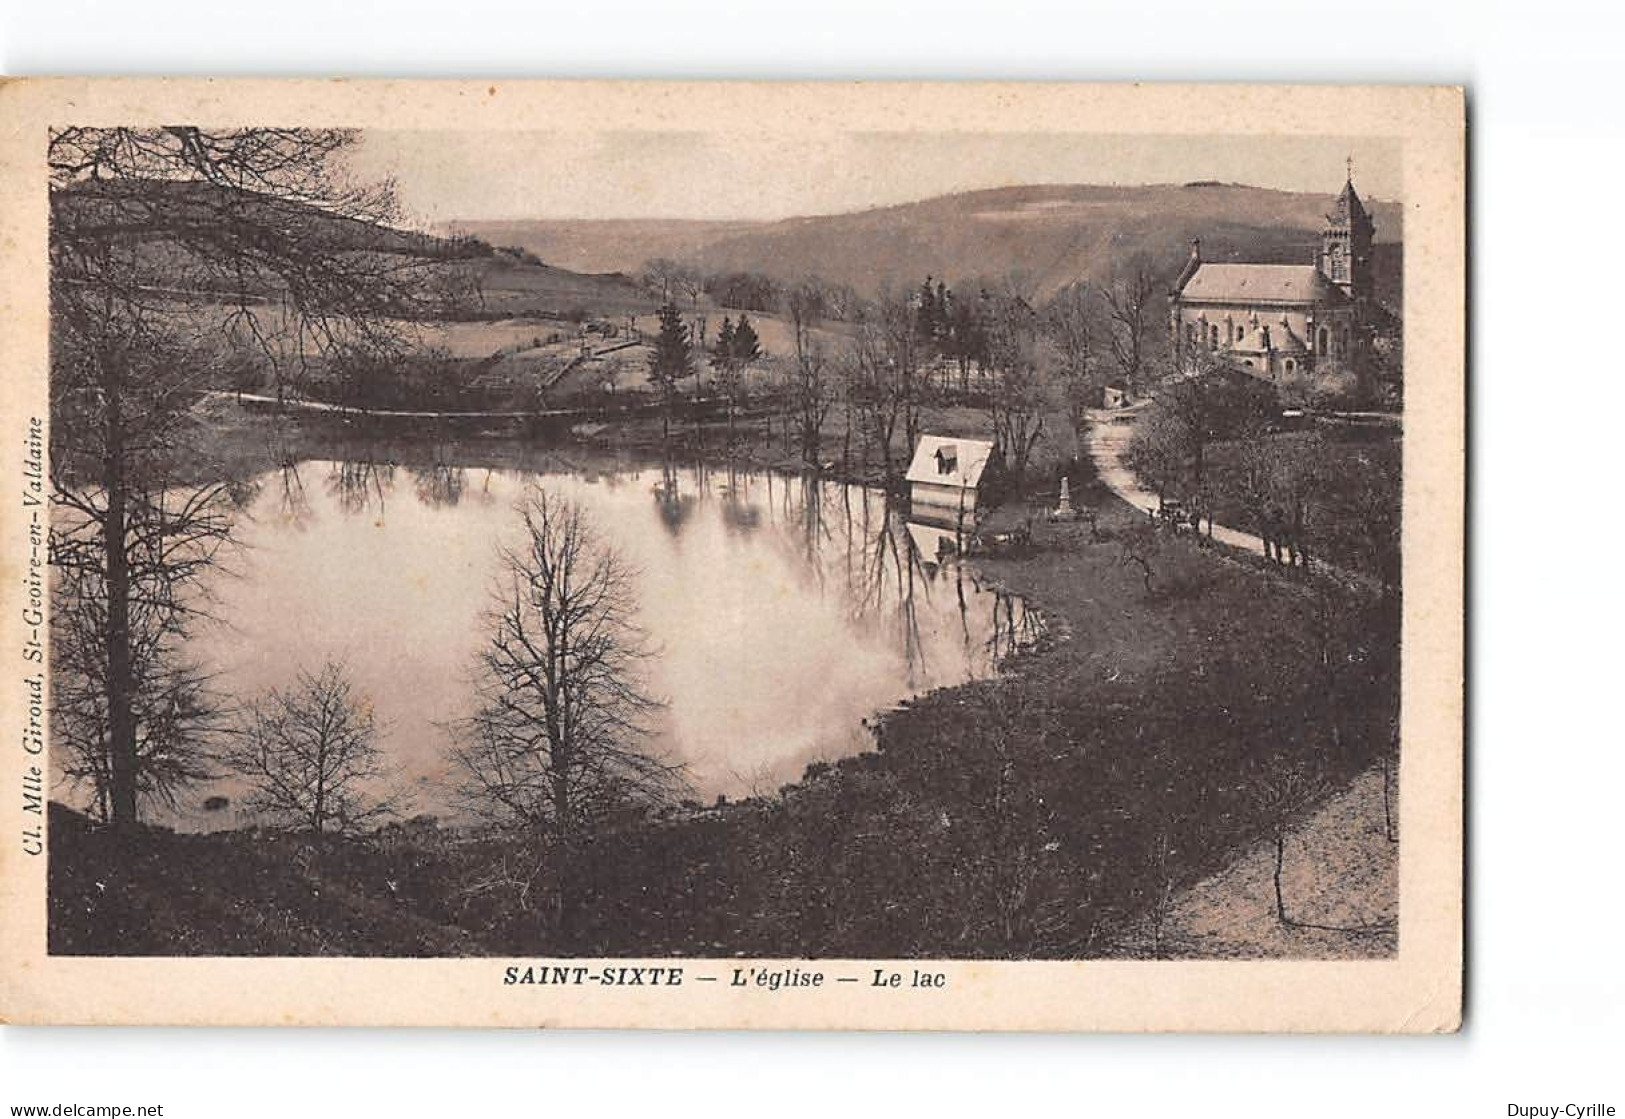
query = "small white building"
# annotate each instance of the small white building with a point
(945, 477)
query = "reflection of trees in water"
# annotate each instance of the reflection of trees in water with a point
(439, 485)
(964, 607)
(814, 531)
(891, 581)
(1015, 625)
(292, 502)
(739, 514)
(675, 507)
(360, 484)
(853, 541)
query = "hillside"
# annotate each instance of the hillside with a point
(1056, 234)
(157, 214)
(604, 246)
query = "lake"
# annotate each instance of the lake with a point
(783, 611)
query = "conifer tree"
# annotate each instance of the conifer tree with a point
(747, 347)
(926, 316)
(672, 360)
(722, 352)
(726, 368)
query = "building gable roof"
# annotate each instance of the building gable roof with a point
(970, 458)
(1260, 283)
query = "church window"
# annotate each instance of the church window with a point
(1213, 337)
(1289, 366)
(1320, 345)
(1267, 338)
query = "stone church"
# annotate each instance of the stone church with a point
(1284, 320)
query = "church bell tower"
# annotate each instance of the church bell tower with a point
(1345, 244)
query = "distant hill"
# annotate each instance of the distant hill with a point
(1055, 234)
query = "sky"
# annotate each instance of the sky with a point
(472, 176)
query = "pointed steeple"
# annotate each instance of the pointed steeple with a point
(1349, 208)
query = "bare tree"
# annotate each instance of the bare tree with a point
(130, 546)
(457, 288)
(1254, 480)
(1204, 404)
(559, 741)
(881, 380)
(1284, 790)
(176, 714)
(1139, 545)
(664, 277)
(688, 282)
(899, 335)
(1019, 399)
(310, 753)
(1131, 304)
(1375, 506)
(163, 243)
(1157, 451)
(1069, 327)
(811, 381)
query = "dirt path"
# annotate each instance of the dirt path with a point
(1108, 439)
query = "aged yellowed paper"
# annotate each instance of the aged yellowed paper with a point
(752, 555)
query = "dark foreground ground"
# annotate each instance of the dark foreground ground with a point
(1134, 754)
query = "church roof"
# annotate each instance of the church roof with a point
(1260, 283)
(1286, 342)
(1282, 340)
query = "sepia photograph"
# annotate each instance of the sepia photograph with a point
(640, 552)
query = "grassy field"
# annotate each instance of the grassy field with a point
(483, 338)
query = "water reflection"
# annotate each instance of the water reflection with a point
(784, 609)
(439, 484)
(293, 503)
(360, 485)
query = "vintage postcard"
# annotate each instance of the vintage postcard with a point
(752, 555)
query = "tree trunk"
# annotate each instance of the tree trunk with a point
(1280, 862)
(563, 915)
(1388, 798)
(318, 812)
(120, 682)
